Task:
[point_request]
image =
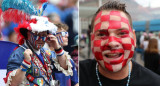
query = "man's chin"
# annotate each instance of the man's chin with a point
(39, 47)
(114, 67)
(64, 44)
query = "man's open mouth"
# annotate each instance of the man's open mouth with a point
(113, 55)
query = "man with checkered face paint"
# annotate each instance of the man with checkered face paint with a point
(112, 42)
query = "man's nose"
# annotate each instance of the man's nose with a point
(67, 35)
(113, 42)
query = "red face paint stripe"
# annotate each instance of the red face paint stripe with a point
(97, 43)
(39, 38)
(117, 13)
(92, 36)
(117, 50)
(46, 39)
(98, 15)
(124, 62)
(132, 41)
(105, 47)
(127, 46)
(97, 26)
(131, 54)
(98, 55)
(108, 66)
(114, 25)
(105, 18)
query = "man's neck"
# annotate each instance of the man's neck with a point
(123, 73)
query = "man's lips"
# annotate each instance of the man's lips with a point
(113, 56)
(40, 43)
(113, 52)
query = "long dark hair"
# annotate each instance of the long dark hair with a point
(152, 46)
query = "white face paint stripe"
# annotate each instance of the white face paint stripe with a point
(117, 67)
(126, 40)
(36, 37)
(44, 39)
(97, 49)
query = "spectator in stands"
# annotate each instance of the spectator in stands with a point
(62, 36)
(151, 56)
(54, 18)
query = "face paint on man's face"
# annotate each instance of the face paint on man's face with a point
(38, 41)
(112, 41)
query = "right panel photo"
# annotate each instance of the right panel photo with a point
(119, 43)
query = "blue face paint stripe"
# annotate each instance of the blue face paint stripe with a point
(58, 40)
(61, 39)
(42, 38)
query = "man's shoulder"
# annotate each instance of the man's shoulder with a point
(143, 74)
(142, 69)
(87, 69)
(18, 51)
(87, 64)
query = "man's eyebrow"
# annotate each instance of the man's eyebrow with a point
(122, 29)
(102, 30)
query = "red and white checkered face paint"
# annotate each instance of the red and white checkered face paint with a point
(112, 41)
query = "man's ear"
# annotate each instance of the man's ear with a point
(134, 36)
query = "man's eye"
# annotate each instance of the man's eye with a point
(123, 33)
(101, 34)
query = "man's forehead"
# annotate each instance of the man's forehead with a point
(111, 12)
(61, 30)
(111, 30)
(107, 19)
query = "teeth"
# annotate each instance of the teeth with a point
(112, 54)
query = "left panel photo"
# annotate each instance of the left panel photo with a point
(39, 43)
